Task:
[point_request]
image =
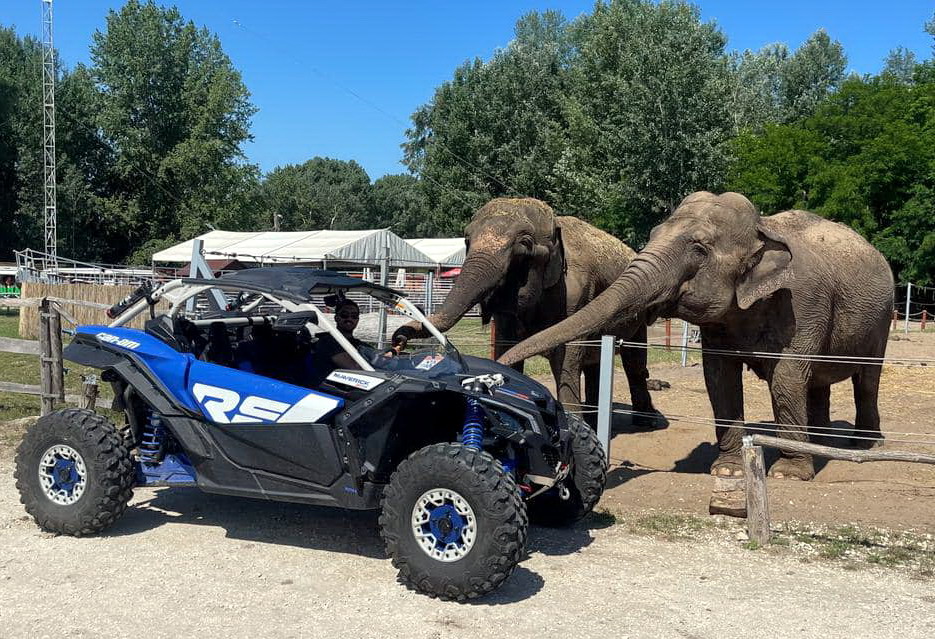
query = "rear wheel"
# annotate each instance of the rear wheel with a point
(453, 522)
(73, 472)
(583, 486)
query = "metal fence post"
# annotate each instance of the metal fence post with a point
(605, 400)
(908, 298)
(384, 277)
(429, 292)
(684, 342)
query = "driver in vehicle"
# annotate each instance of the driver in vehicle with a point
(330, 355)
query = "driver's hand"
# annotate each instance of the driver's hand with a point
(399, 342)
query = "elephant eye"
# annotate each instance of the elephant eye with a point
(699, 249)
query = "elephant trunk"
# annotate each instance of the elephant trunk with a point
(649, 280)
(481, 273)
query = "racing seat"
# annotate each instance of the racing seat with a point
(219, 350)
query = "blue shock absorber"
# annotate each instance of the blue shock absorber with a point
(152, 440)
(472, 433)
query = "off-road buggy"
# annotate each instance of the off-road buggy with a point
(453, 449)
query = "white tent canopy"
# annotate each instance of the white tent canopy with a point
(365, 248)
(443, 251)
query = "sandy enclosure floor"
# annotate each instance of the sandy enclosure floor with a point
(667, 469)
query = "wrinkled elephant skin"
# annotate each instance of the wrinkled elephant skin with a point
(530, 269)
(791, 283)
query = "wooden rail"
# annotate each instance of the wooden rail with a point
(755, 504)
(48, 348)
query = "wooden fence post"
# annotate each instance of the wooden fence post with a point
(55, 343)
(754, 470)
(895, 315)
(89, 397)
(924, 317)
(668, 334)
(46, 394)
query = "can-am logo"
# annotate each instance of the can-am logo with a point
(122, 342)
(224, 406)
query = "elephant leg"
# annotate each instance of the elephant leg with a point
(723, 378)
(789, 390)
(819, 410)
(505, 340)
(634, 365)
(565, 363)
(867, 422)
(592, 387)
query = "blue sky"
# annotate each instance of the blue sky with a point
(340, 79)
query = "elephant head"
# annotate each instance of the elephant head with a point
(514, 249)
(712, 256)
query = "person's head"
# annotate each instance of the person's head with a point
(346, 316)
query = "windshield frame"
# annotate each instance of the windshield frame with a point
(178, 292)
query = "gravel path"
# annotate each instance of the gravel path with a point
(180, 563)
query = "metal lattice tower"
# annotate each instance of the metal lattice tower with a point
(48, 134)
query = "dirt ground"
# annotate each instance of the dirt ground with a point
(667, 469)
(180, 563)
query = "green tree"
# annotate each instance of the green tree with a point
(175, 113)
(773, 85)
(20, 143)
(813, 73)
(648, 114)
(81, 158)
(399, 202)
(493, 129)
(322, 193)
(865, 158)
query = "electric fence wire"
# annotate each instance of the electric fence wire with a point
(829, 431)
(770, 428)
(907, 362)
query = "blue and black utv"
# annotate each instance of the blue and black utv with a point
(453, 449)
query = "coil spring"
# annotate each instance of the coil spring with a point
(472, 433)
(152, 440)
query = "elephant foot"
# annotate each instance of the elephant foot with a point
(800, 468)
(727, 465)
(867, 442)
(649, 419)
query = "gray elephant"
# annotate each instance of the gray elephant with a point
(791, 283)
(529, 269)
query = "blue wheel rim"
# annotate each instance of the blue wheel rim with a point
(63, 475)
(444, 524)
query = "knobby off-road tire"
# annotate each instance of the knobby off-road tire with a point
(585, 482)
(104, 472)
(468, 481)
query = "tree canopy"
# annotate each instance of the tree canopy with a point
(613, 116)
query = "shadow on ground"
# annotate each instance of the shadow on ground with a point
(699, 460)
(323, 528)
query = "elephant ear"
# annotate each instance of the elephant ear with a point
(769, 270)
(555, 269)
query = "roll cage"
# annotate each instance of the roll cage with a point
(180, 291)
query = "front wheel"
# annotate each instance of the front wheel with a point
(583, 486)
(453, 522)
(73, 472)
